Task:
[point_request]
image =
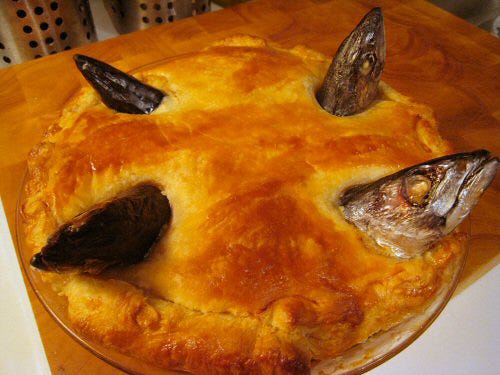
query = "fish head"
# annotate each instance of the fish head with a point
(351, 83)
(118, 90)
(410, 211)
(362, 57)
(117, 232)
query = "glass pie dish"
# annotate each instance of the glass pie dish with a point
(361, 358)
(381, 347)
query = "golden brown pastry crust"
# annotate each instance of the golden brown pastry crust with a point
(258, 272)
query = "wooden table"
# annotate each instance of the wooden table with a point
(432, 56)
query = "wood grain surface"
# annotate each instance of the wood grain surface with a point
(432, 56)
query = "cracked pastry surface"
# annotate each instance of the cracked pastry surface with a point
(258, 271)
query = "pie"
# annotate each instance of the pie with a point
(257, 271)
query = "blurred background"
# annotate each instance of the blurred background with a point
(482, 13)
(35, 28)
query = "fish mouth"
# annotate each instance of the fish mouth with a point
(476, 180)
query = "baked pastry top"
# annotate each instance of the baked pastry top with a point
(258, 271)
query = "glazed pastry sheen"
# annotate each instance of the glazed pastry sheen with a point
(258, 271)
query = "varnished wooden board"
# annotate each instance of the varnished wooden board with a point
(432, 56)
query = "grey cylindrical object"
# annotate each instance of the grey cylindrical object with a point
(35, 28)
(132, 15)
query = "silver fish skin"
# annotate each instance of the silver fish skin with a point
(351, 83)
(408, 212)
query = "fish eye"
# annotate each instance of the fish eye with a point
(417, 188)
(367, 64)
